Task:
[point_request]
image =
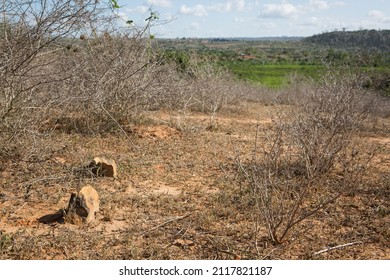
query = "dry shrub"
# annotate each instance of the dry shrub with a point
(310, 157)
(115, 77)
(324, 123)
(63, 68)
(32, 39)
(202, 87)
(79, 75)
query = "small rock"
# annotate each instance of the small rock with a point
(101, 166)
(83, 206)
(59, 160)
(183, 242)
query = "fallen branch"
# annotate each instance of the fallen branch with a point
(17, 210)
(337, 247)
(165, 223)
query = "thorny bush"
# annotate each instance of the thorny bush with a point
(66, 66)
(309, 157)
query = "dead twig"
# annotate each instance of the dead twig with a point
(269, 253)
(17, 210)
(337, 247)
(165, 223)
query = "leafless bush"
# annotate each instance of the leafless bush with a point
(202, 87)
(64, 68)
(310, 157)
(32, 39)
(325, 121)
(115, 76)
(29, 43)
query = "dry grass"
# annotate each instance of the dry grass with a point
(176, 137)
(175, 199)
(308, 159)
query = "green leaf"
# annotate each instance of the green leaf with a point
(115, 4)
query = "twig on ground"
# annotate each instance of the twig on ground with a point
(17, 210)
(268, 254)
(337, 247)
(165, 223)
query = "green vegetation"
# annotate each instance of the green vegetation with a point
(180, 58)
(271, 75)
(271, 62)
(367, 39)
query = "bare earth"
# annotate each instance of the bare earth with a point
(176, 197)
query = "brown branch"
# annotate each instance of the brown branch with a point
(175, 219)
(337, 247)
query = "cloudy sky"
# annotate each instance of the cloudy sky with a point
(257, 18)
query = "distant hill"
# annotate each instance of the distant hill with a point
(256, 39)
(238, 39)
(362, 39)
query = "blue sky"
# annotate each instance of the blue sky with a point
(257, 18)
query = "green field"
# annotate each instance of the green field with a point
(271, 75)
(276, 63)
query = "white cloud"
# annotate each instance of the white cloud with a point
(220, 7)
(317, 5)
(378, 16)
(311, 21)
(228, 6)
(283, 10)
(160, 3)
(288, 10)
(240, 5)
(198, 10)
(140, 9)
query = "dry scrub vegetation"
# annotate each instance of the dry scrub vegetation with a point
(209, 168)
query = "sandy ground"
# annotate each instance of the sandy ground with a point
(176, 198)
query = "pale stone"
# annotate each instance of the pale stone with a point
(83, 206)
(101, 166)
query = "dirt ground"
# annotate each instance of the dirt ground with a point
(176, 198)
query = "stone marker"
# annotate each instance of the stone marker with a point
(83, 206)
(101, 166)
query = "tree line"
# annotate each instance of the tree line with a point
(362, 39)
